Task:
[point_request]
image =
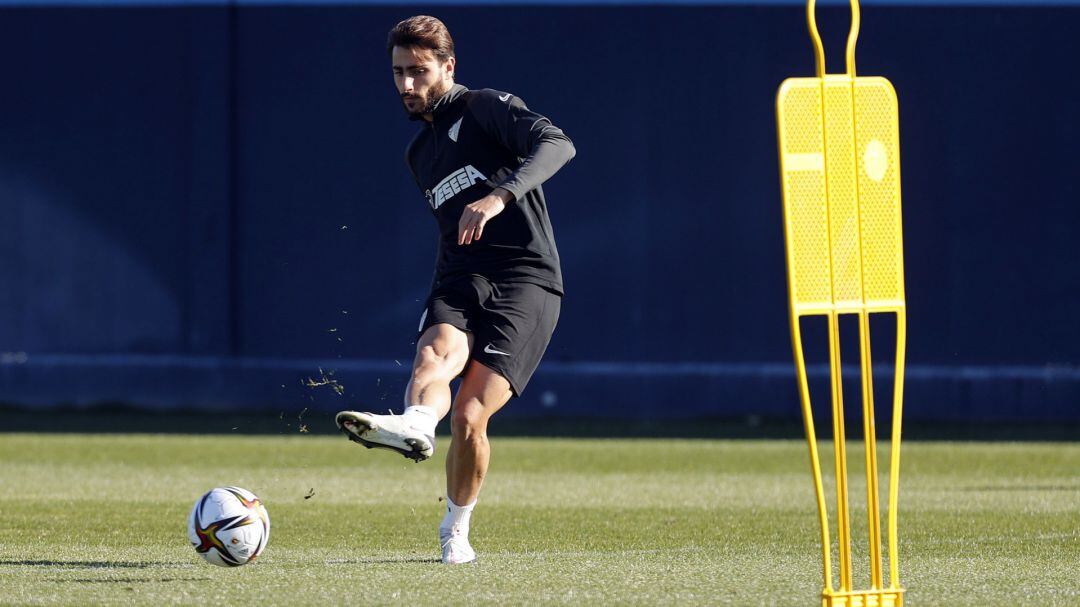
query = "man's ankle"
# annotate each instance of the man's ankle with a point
(456, 516)
(422, 417)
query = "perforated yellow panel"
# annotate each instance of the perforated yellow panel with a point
(878, 144)
(806, 213)
(842, 193)
(840, 166)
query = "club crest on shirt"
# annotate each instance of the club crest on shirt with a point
(461, 179)
(453, 133)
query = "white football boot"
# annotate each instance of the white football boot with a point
(455, 545)
(387, 432)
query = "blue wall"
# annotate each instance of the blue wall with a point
(205, 204)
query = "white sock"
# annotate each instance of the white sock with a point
(457, 515)
(422, 418)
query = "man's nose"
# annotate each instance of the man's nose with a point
(407, 84)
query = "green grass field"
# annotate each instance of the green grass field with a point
(100, 519)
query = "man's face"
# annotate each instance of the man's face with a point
(420, 77)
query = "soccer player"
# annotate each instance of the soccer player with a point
(479, 157)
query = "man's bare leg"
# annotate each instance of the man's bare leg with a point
(482, 393)
(441, 355)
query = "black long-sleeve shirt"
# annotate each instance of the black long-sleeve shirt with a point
(478, 141)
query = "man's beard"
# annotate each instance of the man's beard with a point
(434, 94)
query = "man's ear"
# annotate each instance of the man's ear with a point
(451, 65)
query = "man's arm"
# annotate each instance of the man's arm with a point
(542, 147)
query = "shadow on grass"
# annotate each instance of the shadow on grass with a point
(90, 564)
(1039, 488)
(129, 580)
(384, 560)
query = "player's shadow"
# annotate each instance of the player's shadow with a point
(380, 560)
(1020, 488)
(91, 564)
(130, 580)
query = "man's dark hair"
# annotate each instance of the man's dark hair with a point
(425, 32)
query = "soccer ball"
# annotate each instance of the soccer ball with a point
(229, 526)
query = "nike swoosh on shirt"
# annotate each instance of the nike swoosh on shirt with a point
(491, 350)
(504, 97)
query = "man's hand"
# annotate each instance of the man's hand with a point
(476, 215)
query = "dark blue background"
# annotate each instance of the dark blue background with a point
(203, 205)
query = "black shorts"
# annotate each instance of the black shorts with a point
(511, 322)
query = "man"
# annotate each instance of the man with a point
(480, 158)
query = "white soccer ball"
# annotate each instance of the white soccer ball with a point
(229, 526)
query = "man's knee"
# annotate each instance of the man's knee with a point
(436, 362)
(469, 421)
